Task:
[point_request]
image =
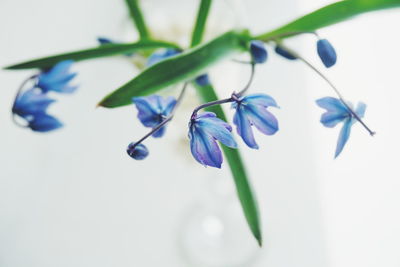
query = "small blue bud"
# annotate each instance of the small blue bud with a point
(258, 51)
(138, 151)
(284, 53)
(326, 52)
(203, 80)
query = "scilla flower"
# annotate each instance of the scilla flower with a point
(284, 53)
(258, 51)
(137, 151)
(31, 106)
(204, 131)
(153, 110)
(337, 112)
(326, 52)
(252, 110)
(57, 78)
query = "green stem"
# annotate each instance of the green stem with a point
(138, 19)
(199, 27)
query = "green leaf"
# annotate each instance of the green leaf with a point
(199, 27)
(180, 68)
(100, 51)
(328, 15)
(243, 187)
(137, 17)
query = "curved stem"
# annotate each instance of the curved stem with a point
(342, 99)
(21, 87)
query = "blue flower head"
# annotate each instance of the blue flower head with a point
(252, 110)
(161, 55)
(57, 78)
(153, 110)
(32, 105)
(326, 52)
(258, 51)
(137, 151)
(337, 112)
(284, 53)
(204, 131)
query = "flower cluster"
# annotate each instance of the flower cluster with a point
(31, 105)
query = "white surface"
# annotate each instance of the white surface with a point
(73, 198)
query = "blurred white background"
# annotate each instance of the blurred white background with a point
(74, 198)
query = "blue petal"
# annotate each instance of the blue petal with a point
(204, 148)
(360, 110)
(218, 129)
(343, 136)
(258, 51)
(148, 110)
(31, 102)
(332, 104)
(57, 71)
(167, 105)
(326, 52)
(137, 152)
(259, 99)
(264, 121)
(44, 123)
(243, 127)
(57, 78)
(284, 53)
(331, 119)
(160, 132)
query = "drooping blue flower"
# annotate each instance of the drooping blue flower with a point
(43, 122)
(57, 78)
(204, 131)
(252, 110)
(31, 102)
(326, 52)
(161, 55)
(31, 106)
(258, 51)
(337, 112)
(153, 110)
(137, 151)
(284, 53)
(203, 80)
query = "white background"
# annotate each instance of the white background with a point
(74, 198)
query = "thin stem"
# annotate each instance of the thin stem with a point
(212, 103)
(253, 68)
(138, 19)
(167, 119)
(342, 99)
(21, 87)
(198, 30)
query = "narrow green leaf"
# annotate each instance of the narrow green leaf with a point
(138, 19)
(182, 67)
(199, 27)
(243, 187)
(328, 15)
(100, 51)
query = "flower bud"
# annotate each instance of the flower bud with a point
(326, 52)
(137, 151)
(258, 51)
(284, 53)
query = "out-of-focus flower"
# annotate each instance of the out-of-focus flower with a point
(284, 53)
(337, 112)
(57, 78)
(161, 55)
(153, 110)
(258, 51)
(326, 52)
(137, 151)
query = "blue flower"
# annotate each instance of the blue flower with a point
(57, 78)
(258, 52)
(137, 151)
(204, 130)
(153, 110)
(284, 53)
(202, 80)
(161, 55)
(251, 110)
(43, 122)
(32, 105)
(337, 112)
(326, 52)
